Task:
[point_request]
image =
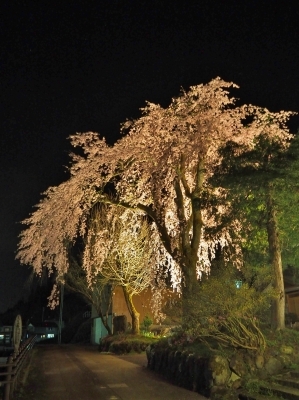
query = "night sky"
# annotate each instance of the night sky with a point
(71, 66)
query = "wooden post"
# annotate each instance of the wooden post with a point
(9, 375)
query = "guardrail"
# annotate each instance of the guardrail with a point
(13, 367)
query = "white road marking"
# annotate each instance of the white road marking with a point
(117, 385)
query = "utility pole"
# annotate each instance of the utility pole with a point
(60, 312)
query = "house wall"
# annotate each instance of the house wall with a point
(141, 301)
(292, 303)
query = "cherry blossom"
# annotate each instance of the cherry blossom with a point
(162, 167)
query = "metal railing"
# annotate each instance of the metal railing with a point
(11, 369)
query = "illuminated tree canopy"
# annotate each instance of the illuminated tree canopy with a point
(161, 166)
(116, 251)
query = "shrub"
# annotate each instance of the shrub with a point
(122, 344)
(226, 313)
(146, 323)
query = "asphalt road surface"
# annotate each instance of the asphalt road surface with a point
(72, 372)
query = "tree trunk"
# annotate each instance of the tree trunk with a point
(102, 301)
(189, 249)
(132, 310)
(278, 304)
(190, 293)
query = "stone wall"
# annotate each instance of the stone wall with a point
(183, 369)
(218, 375)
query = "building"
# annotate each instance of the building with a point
(47, 330)
(119, 307)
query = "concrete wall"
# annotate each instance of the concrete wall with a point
(98, 331)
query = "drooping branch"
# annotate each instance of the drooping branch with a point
(96, 294)
(148, 210)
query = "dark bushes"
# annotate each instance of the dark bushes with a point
(122, 344)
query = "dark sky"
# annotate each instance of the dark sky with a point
(75, 66)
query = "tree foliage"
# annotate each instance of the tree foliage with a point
(260, 179)
(119, 252)
(228, 312)
(162, 166)
(96, 294)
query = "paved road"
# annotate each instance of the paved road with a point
(75, 372)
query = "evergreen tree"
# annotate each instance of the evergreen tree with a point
(263, 184)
